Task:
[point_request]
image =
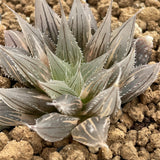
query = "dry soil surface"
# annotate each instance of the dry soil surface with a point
(136, 133)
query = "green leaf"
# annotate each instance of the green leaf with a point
(92, 132)
(15, 39)
(27, 66)
(76, 82)
(26, 100)
(10, 117)
(60, 70)
(67, 47)
(99, 43)
(46, 19)
(79, 24)
(88, 69)
(95, 84)
(68, 105)
(54, 127)
(56, 88)
(138, 81)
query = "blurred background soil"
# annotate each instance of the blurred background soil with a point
(136, 134)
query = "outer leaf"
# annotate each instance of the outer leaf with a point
(56, 88)
(46, 19)
(54, 127)
(138, 81)
(143, 50)
(124, 34)
(10, 117)
(28, 67)
(92, 132)
(67, 48)
(8, 66)
(90, 68)
(68, 104)
(79, 24)
(90, 16)
(60, 69)
(105, 103)
(26, 100)
(99, 43)
(95, 84)
(15, 39)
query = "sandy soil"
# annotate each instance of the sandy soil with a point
(135, 135)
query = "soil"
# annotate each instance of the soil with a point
(135, 134)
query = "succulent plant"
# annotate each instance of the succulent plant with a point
(76, 76)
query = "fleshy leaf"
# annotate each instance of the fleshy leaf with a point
(143, 50)
(60, 70)
(56, 88)
(10, 117)
(54, 127)
(95, 84)
(90, 16)
(138, 81)
(8, 66)
(88, 69)
(67, 104)
(37, 49)
(105, 103)
(124, 35)
(92, 132)
(46, 19)
(76, 82)
(26, 100)
(67, 47)
(79, 24)
(27, 66)
(15, 39)
(99, 43)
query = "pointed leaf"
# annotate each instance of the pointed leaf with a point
(10, 117)
(143, 50)
(88, 69)
(124, 35)
(46, 19)
(138, 81)
(67, 48)
(9, 67)
(90, 16)
(95, 84)
(93, 132)
(105, 103)
(68, 104)
(76, 82)
(99, 43)
(31, 69)
(56, 88)
(26, 100)
(54, 127)
(60, 70)
(15, 39)
(37, 49)
(79, 24)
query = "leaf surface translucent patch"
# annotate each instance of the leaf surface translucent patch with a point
(54, 127)
(92, 132)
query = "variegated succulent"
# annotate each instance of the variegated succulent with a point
(76, 75)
